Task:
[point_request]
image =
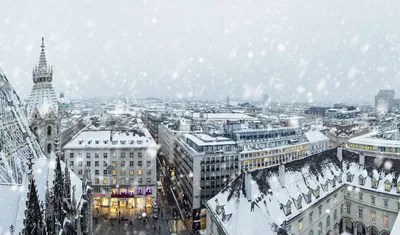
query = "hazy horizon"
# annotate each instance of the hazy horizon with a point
(310, 51)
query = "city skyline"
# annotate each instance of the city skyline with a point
(206, 51)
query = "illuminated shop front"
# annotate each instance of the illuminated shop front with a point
(131, 197)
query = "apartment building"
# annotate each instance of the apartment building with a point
(122, 166)
(204, 165)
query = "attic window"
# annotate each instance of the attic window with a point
(349, 177)
(97, 141)
(388, 186)
(299, 206)
(333, 182)
(105, 141)
(288, 208)
(114, 142)
(80, 141)
(340, 178)
(132, 142)
(374, 183)
(361, 180)
(89, 142)
(140, 141)
(123, 141)
(308, 197)
(316, 192)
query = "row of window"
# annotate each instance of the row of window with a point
(114, 164)
(375, 148)
(373, 200)
(372, 214)
(374, 182)
(258, 163)
(121, 173)
(122, 181)
(218, 159)
(105, 155)
(114, 142)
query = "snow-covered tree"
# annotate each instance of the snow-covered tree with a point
(58, 189)
(67, 183)
(33, 214)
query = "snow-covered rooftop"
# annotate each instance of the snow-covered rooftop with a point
(112, 139)
(315, 136)
(205, 140)
(256, 201)
(371, 139)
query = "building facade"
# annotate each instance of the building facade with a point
(204, 165)
(42, 106)
(122, 165)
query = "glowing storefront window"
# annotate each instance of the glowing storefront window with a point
(139, 172)
(131, 190)
(104, 201)
(114, 191)
(373, 217)
(105, 181)
(114, 172)
(123, 190)
(149, 202)
(386, 221)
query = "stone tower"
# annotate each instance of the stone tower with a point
(42, 106)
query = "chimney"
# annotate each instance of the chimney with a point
(340, 153)
(282, 175)
(217, 207)
(362, 159)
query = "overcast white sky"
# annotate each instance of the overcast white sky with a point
(291, 50)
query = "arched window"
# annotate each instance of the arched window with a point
(335, 215)
(311, 233)
(48, 148)
(49, 131)
(328, 221)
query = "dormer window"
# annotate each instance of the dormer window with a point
(340, 178)
(361, 180)
(325, 186)
(132, 142)
(123, 142)
(114, 142)
(299, 206)
(374, 183)
(349, 177)
(333, 181)
(80, 142)
(105, 141)
(388, 186)
(140, 141)
(288, 208)
(89, 142)
(97, 142)
(316, 192)
(308, 197)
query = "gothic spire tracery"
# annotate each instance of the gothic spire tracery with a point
(42, 58)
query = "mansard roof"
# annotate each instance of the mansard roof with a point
(263, 187)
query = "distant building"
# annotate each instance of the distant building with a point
(152, 121)
(384, 100)
(42, 107)
(319, 111)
